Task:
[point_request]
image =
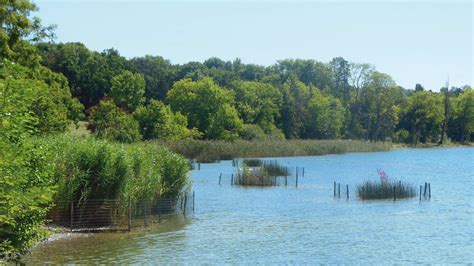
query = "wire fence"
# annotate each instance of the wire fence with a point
(118, 215)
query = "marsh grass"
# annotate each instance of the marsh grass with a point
(385, 190)
(89, 171)
(254, 177)
(273, 168)
(211, 151)
(256, 172)
(253, 162)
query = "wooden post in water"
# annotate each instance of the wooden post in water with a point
(72, 215)
(144, 213)
(303, 171)
(185, 200)
(129, 214)
(429, 190)
(334, 188)
(296, 176)
(424, 194)
(286, 180)
(347, 191)
(420, 191)
(220, 176)
(338, 190)
(232, 180)
(199, 166)
(394, 193)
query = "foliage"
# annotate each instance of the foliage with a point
(89, 73)
(258, 103)
(284, 97)
(423, 116)
(157, 121)
(325, 117)
(209, 107)
(127, 90)
(108, 121)
(462, 123)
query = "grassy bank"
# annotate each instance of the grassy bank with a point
(209, 151)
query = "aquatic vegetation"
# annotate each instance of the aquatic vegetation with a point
(253, 162)
(256, 172)
(385, 190)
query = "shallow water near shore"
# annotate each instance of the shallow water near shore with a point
(305, 224)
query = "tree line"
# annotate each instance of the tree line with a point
(150, 98)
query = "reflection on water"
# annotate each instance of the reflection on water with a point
(305, 224)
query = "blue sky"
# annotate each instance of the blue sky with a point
(420, 42)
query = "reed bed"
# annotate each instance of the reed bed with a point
(211, 151)
(385, 190)
(256, 172)
(254, 177)
(275, 169)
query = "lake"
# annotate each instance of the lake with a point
(306, 224)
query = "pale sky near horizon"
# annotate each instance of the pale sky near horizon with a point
(420, 42)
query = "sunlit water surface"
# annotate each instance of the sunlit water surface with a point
(306, 224)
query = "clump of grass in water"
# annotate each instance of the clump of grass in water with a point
(254, 177)
(274, 169)
(256, 172)
(253, 162)
(385, 189)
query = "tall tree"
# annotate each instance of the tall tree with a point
(127, 90)
(208, 107)
(341, 70)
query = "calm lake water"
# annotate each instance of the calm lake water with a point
(306, 224)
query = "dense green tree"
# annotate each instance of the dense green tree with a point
(157, 121)
(209, 107)
(127, 90)
(159, 75)
(462, 120)
(89, 73)
(423, 117)
(341, 70)
(380, 107)
(296, 96)
(325, 117)
(108, 121)
(258, 103)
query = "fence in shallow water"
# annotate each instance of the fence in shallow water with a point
(118, 215)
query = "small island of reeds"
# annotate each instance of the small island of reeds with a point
(385, 189)
(256, 172)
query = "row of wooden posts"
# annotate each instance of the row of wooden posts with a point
(427, 186)
(339, 190)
